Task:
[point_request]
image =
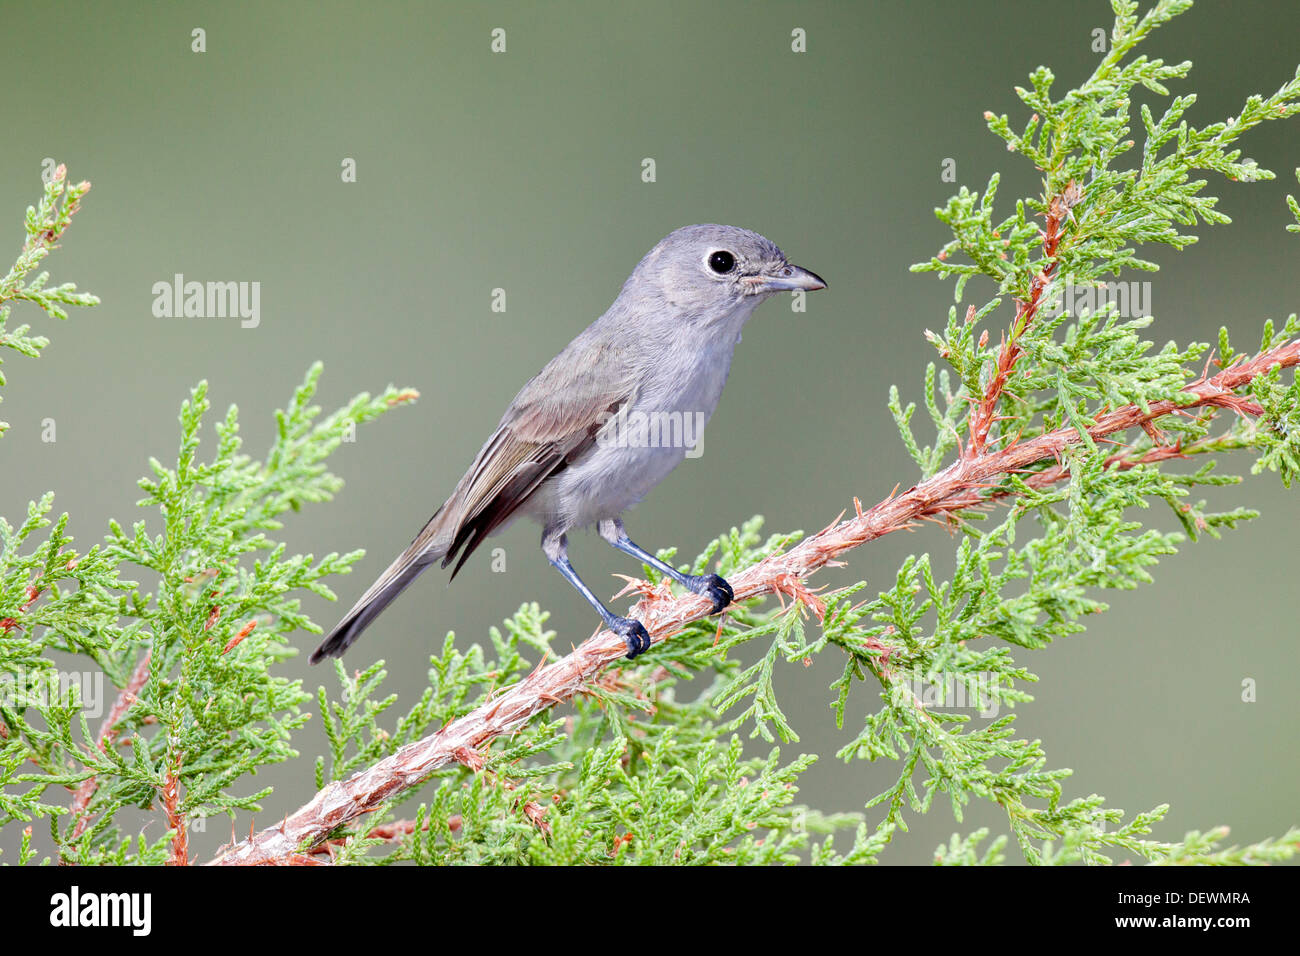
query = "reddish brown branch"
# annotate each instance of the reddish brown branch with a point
(107, 735)
(171, 796)
(984, 414)
(388, 832)
(963, 484)
(9, 623)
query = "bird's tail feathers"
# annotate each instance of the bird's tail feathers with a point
(405, 569)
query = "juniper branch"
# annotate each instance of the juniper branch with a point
(108, 732)
(46, 222)
(963, 484)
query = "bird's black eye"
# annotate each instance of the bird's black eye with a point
(722, 262)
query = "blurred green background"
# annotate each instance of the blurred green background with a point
(522, 171)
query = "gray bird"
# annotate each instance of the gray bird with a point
(584, 440)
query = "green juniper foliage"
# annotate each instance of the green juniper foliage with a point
(46, 221)
(209, 709)
(642, 767)
(1295, 208)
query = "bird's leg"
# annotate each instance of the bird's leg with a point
(633, 632)
(711, 586)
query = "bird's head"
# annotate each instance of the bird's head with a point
(711, 271)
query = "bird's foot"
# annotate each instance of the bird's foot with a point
(633, 633)
(713, 587)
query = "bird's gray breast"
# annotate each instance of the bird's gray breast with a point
(645, 439)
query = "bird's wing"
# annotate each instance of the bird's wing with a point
(552, 421)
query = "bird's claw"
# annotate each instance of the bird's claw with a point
(633, 633)
(713, 587)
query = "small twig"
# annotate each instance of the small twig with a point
(388, 832)
(107, 734)
(179, 855)
(984, 414)
(9, 623)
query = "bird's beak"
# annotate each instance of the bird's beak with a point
(789, 279)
